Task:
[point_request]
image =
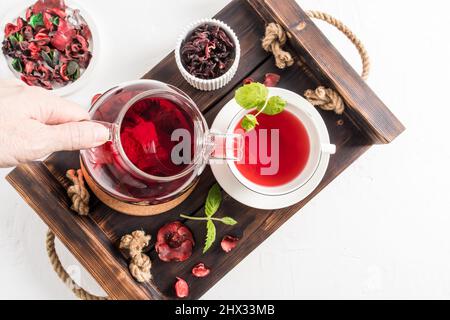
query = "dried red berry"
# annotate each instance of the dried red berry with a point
(174, 242)
(200, 270)
(181, 288)
(248, 81)
(229, 243)
(271, 80)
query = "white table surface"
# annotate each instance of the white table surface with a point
(381, 230)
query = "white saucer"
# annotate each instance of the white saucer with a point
(240, 192)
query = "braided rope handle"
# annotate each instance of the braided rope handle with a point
(50, 240)
(349, 34)
(62, 273)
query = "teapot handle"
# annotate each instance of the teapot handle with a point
(112, 127)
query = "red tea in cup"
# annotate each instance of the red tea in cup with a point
(281, 141)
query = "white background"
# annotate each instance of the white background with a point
(381, 230)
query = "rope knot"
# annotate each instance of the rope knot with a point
(78, 192)
(140, 263)
(326, 99)
(273, 41)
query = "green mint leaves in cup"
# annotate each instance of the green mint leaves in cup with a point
(256, 95)
(212, 205)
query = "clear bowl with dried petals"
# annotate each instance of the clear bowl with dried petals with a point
(51, 44)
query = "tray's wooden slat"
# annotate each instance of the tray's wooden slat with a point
(369, 111)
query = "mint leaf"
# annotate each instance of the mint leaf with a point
(213, 200)
(19, 37)
(275, 105)
(249, 122)
(72, 67)
(36, 20)
(252, 95)
(210, 235)
(55, 20)
(47, 58)
(17, 65)
(13, 39)
(229, 221)
(55, 57)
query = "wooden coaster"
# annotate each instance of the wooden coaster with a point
(133, 209)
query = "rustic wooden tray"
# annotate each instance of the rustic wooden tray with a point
(93, 240)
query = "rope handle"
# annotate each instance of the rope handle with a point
(79, 292)
(50, 239)
(349, 34)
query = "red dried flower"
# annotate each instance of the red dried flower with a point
(29, 67)
(200, 270)
(63, 72)
(181, 288)
(229, 243)
(174, 242)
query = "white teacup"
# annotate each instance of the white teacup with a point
(314, 126)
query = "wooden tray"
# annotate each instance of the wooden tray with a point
(93, 240)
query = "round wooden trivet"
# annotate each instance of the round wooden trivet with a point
(140, 210)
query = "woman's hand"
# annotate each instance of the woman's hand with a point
(34, 123)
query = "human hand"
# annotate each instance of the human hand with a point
(34, 123)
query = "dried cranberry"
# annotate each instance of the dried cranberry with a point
(248, 81)
(174, 242)
(229, 243)
(200, 270)
(181, 288)
(271, 80)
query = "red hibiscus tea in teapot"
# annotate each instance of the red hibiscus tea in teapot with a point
(138, 164)
(146, 135)
(273, 161)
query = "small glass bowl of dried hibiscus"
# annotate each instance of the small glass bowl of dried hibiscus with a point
(50, 44)
(207, 54)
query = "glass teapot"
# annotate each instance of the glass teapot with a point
(159, 145)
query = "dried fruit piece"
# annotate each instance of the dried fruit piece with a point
(200, 270)
(181, 288)
(174, 242)
(229, 243)
(271, 80)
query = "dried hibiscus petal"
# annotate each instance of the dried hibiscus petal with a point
(229, 243)
(208, 52)
(181, 288)
(200, 270)
(174, 242)
(271, 79)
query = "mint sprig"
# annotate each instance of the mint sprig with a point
(256, 95)
(212, 205)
